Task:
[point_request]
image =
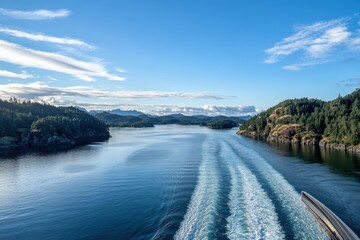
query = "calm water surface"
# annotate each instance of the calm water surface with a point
(174, 182)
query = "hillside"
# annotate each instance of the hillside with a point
(310, 121)
(223, 124)
(114, 120)
(34, 124)
(133, 113)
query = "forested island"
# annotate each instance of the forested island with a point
(33, 124)
(333, 124)
(143, 120)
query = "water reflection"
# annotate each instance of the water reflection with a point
(339, 160)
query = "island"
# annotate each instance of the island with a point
(138, 120)
(27, 124)
(332, 124)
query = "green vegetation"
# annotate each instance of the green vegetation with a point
(310, 121)
(223, 124)
(113, 120)
(26, 123)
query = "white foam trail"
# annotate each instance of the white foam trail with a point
(303, 225)
(199, 220)
(253, 214)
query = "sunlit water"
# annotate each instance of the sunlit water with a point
(174, 182)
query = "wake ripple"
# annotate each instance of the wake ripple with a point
(302, 224)
(200, 219)
(253, 214)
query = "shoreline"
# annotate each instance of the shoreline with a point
(53, 142)
(322, 143)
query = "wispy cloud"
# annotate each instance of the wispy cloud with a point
(87, 71)
(351, 82)
(315, 42)
(40, 14)
(4, 73)
(355, 41)
(299, 66)
(39, 89)
(120, 70)
(332, 37)
(44, 38)
(52, 79)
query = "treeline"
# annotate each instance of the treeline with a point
(223, 124)
(333, 122)
(27, 123)
(114, 120)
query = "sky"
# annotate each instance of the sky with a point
(182, 56)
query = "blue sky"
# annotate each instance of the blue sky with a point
(207, 57)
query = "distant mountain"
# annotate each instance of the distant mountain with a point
(81, 108)
(119, 112)
(133, 113)
(333, 124)
(93, 112)
(115, 120)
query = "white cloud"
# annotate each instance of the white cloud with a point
(4, 73)
(155, 109)
(52, 79)
(44, 38)
(316, 39)
(316, 43)
(204, 110)
(299, 66)
(87, 71)
(39, 89)
(36, 14)
(355, 44)
(120, 70)
(320, 46)
(294, 67)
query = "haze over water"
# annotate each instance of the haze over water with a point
(174, 182)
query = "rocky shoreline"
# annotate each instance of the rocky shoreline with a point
(307, 140)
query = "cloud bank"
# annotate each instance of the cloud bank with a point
(208, 110)
(38, 89)
(36, 14)
(87, 71)
(44, 38)
(156, 109)
(316, 43)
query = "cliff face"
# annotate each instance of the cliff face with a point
(334, 124)
(279, 128)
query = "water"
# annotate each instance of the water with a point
(174, 182)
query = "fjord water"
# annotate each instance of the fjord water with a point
(174, 182)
